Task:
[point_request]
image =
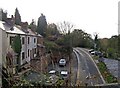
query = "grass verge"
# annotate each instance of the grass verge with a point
(109, 78)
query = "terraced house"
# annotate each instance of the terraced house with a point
(28, 38)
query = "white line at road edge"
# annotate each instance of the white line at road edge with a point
(95, 66)
(78, 72)
(75, 50)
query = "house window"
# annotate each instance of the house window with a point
(23, 40)
(23, 55)
(11, 40)
(35, 50)
(34, 40)
(28, 53)
(28, 40)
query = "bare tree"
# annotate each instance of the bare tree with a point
(65, 27)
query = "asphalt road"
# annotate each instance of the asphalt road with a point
(86, 67)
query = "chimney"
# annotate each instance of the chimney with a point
(11, 21)
(24, 26)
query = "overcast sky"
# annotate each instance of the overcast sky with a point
(92, 16)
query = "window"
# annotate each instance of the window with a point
(23, 55)
(28, 40)
(28, 53)
(35, 50)
(23, 40)
(34, 40)
(11, 40)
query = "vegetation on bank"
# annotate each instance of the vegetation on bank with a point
(105, 73)
(110, 47)
(108, 77)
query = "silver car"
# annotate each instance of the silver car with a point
(62, 62)
(64, 74)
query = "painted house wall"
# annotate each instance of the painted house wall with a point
(4, 47)
(1, 46)
(24, 49)
(32, 46)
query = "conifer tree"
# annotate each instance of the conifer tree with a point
(42, 25)
(17, 17)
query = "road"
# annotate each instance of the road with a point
(81, 66)
(87, 67)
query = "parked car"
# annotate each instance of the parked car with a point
(91, 50)
(93, 53)
(64, 74)
(62, 62)
(52, 72)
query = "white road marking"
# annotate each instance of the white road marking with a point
(95, 66)
(78, 73)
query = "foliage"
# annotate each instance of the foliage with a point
(81, 39)
(107, 76)
(65, 27)
(104, 44)
(22, 83)
(4, 15)
(110, 47)
(16, 45)
(33, 26)
(60, 82)
(5, 77)
(17, 17)
(42, 25)
(50, 45)
(52, 29)
(96, 42)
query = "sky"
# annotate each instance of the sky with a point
(92, 16)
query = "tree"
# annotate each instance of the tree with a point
(52, 29)
(33, 26)
(96, 41)
(16, 45)
(42, 25)
(113, 47)
(3, 14)
(65, 27)
(17, 17)
(81, 39)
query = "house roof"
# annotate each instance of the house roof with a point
(16, 29)
(30, 32)
(39, 35)
(1, 25)
(10, 29)
(27, 31)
